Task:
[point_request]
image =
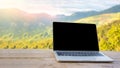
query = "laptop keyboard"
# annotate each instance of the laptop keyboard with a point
(79, 54)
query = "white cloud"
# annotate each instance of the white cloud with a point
(59, 6)
(86, 5)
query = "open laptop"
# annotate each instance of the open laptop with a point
(77, 42)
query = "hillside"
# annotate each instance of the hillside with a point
(109, 36)
(100, 19)
(17, 15)
(18, 21)
(108, 30)
(19, 29)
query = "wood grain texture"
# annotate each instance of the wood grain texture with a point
(45, 59)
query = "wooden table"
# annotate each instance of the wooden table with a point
(45, 59)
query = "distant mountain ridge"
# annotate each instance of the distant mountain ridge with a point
(113, 9)
(16, 15)
(75, 16)
(19, 22)
(79, 15)
(100, 19)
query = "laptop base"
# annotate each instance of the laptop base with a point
(103, 58)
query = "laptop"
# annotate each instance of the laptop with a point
(77, 42)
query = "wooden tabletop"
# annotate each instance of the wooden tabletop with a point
(45, 59)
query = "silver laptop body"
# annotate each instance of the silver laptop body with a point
(77, 42)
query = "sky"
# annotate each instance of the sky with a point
(55, 7)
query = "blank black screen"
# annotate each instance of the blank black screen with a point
(74, 36)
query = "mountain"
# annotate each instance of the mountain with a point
(19, 22)
(16, 16)
(22, 30)
(75, 16)
(113, 9)
(100, 19)
(80, 15)
(12, 14)
(44, 18)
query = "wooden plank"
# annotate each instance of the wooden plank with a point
(38, 63)
(25, 53)
(112, 54)
(46, 59)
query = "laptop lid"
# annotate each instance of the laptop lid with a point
(74, 37)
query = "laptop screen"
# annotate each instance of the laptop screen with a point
(75, 36)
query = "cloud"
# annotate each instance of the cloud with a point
(58, 6)
(85, 5)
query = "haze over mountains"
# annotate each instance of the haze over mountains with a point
(79, 15)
